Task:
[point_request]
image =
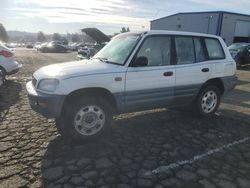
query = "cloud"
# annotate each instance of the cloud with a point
(111, 14)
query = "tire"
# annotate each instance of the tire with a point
(238, 64)
(85, 119)
(2, 76)
(207, 101)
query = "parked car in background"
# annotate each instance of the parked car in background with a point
(84, 51)
(54, 47)
(73, 46)
(241, 53)
(29, 45)
(8, 65)
(133, 72)
(37, 45)
(80, 45)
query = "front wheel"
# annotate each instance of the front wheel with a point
(208, 101)
(86, 119)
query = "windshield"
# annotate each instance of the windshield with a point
(118, 49)
(238, 46)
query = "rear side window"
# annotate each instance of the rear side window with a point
(199, 50)
(214, 49)
(184, 50)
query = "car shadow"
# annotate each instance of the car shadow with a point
(242, 82)
(244, 68)
(139, 142)
(238, 97)
(9, 95)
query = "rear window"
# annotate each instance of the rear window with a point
(214, 49)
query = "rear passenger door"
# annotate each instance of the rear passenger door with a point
(192, 67)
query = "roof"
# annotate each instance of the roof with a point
(167, 32)
(206, 12)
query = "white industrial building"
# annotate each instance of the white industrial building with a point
(232, 27)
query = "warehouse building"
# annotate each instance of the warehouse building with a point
(232, 27)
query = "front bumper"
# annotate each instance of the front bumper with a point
(49, 105)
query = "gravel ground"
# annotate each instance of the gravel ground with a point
(157, 148)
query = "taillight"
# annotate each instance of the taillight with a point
(6, 53)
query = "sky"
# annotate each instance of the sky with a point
(69, 16)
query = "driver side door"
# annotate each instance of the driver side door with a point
(151, 86)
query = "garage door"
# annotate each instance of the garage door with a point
(242, 29)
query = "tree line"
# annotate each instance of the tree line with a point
(42, 37)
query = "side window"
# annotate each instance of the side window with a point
(157, 50)
(214, 49)
(199, 50)
(184, 50)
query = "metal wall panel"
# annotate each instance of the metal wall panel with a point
(242, 29)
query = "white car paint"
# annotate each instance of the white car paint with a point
(8, 63)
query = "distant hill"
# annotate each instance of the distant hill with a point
(21, 36)
(90, 35)
(20, 33)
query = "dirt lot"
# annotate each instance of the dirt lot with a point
(158, 148)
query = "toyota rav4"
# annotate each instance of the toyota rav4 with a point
(134, 71)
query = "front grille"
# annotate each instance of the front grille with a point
(34, 81)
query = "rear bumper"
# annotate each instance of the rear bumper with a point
(48, 105)
(229, 83)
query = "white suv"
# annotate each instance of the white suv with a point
(135, 71)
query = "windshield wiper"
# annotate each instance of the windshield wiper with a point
(105, 60)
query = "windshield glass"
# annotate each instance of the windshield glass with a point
(238, 46)
(118, 49)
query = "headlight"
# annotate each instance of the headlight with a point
(48, 85)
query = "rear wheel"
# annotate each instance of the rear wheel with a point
(208, 101)
(87, 119)
(2, 76)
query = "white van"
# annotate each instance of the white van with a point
(134, 71)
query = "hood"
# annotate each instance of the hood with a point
(96, 34)
(74, 69)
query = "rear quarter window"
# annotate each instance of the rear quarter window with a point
(214, 49)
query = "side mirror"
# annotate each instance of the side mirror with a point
(141, 61)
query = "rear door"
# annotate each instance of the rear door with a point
(192, 68)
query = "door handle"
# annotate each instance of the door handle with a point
(205, 70)
(168, 73)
